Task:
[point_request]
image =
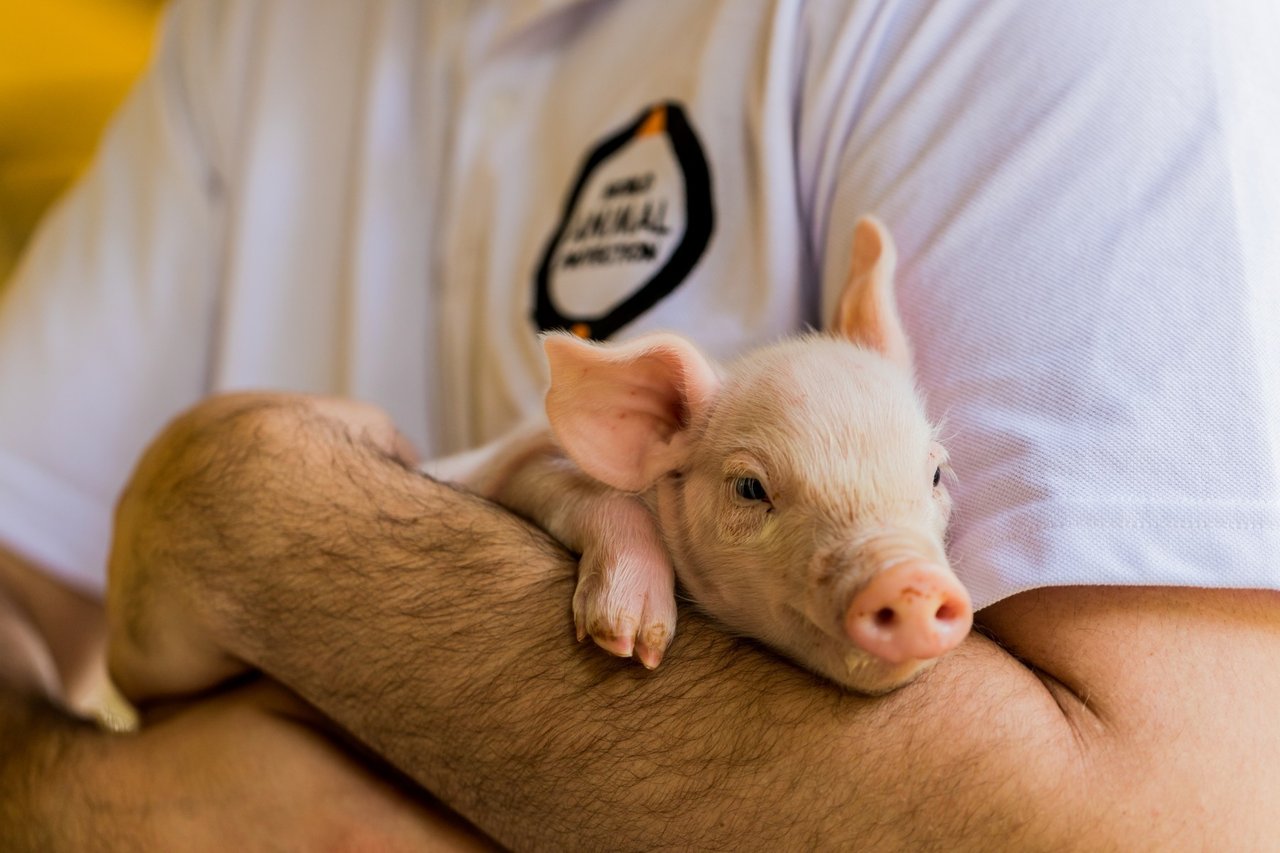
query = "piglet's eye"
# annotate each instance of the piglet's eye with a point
(750, 489)
(937, 477)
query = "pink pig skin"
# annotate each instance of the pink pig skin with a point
(793, 490)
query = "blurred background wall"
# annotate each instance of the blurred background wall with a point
(65, 65)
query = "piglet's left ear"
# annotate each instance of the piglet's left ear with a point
(868, 313)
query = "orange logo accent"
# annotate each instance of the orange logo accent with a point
(655, 123)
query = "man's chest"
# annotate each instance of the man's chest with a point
(609, 171)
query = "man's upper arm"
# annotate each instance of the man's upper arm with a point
(1077, 718)
(1169, 694)
(1091, 718)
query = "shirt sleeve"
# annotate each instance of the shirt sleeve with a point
(106, 324)
(1085, 218)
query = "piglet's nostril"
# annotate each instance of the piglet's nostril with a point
(884, 617)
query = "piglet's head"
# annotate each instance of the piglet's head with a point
(800, 491)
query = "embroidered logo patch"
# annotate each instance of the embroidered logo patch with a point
(638, 218)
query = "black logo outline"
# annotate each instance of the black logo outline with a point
(699, 226)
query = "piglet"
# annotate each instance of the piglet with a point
(798, 493)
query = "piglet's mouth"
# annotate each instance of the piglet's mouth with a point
(876, 677)
(825, 650)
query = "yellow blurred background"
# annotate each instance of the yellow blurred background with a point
(65, 65)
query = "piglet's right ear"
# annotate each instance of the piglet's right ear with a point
(622, 412)
(868, 312)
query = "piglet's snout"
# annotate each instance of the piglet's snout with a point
(916, 610)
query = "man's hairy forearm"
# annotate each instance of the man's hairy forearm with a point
(64, 783)
(437, 628)
(39, 745)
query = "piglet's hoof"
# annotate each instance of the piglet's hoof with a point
(625, 601)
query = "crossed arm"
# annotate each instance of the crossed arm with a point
(1128, 718)
(435, 628)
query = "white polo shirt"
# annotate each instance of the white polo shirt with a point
(388, 200)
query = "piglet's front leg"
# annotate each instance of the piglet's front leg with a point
(625, 598)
